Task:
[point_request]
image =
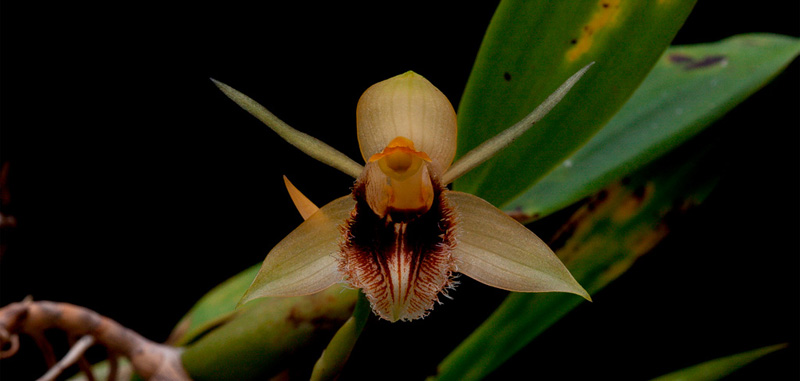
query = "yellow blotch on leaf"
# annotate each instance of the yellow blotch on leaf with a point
(604, 16)
(633, 202)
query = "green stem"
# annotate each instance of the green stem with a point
(334, 357)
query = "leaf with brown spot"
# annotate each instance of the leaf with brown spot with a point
(531, 39)
(597, 246)
(672, 105)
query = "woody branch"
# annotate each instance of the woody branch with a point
(150, 360)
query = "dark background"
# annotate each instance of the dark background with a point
(137, 186)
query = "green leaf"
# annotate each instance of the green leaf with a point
(718, 368)
(689, 88)
(529, 49)
(214, 308)
(599, 243)
(497, 143)
(269, 335)
(260, 337)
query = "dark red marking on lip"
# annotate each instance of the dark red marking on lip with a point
(415, 248)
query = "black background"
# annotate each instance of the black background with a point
(137, 186)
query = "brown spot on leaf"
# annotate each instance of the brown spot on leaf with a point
(637, 198)
(563, 235)
(639, 192)
(519, 215)
(326, 323)
(597, 200)
(680, 58)
(643, 241)
(295, 317)
(604, 16)
(690, 63)
(507, 76)
(706, 62)
(602, 195)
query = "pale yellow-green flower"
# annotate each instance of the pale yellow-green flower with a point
(401, 235)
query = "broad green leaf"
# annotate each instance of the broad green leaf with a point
(530, 48)
(689, 88)
(266, 335)
(718, 368)
(599, 243)
(214, 308)
(497, 143)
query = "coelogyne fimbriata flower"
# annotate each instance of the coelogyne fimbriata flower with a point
(402, 235)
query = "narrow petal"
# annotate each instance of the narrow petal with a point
(489, 148)
(408, 106)
(310, 145)
(306, 261)
(494, 249)
(301, 202)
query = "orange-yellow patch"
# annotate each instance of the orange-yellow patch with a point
(398, 179)
(603, 17)
(400, 144)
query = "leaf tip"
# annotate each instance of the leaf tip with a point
(218, 84)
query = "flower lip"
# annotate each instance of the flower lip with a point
(402, 264)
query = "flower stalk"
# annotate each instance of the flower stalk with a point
(333, 358)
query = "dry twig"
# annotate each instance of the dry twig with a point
(149, 359)
(72, 356)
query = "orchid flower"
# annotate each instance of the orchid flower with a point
(401, 235)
